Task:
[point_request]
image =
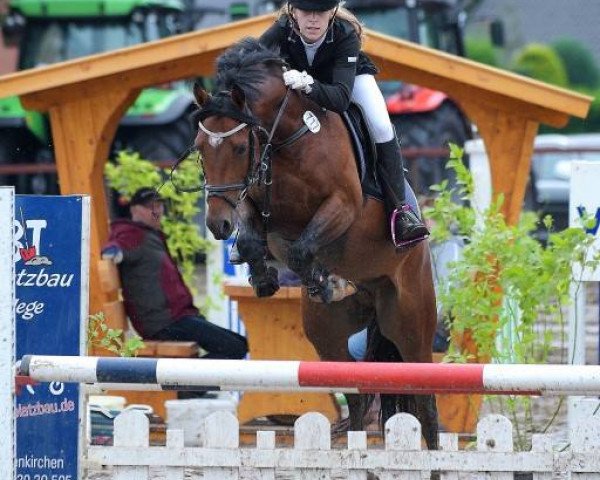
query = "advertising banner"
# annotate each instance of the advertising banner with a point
(51, 256)
(584, 201)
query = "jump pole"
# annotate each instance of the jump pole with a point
(344, 377)
(7, 334)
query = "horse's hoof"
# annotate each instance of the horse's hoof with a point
(334, 289)
(267, 285)
(341, 287)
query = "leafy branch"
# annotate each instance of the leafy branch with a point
(111, 339)
(507, 292)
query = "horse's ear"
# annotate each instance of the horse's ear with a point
(200, 94)
(239, 97)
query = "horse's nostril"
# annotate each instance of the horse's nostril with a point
(226, 227)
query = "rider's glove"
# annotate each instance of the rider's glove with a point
(298, 80)
(113, 253)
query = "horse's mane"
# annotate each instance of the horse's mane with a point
(245, 65)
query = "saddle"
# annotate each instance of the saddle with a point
(364, 151)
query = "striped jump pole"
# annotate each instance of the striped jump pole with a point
(344, 377)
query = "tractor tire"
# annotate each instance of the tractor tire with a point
(430, 130)
(19, 147)
(8, 149)
(161, 142)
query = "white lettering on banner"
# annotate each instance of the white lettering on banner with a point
(38, 408)
(21, 240)
(28, 310)
(29, 461)
(55, 388)
(43, 279)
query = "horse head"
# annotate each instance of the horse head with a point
(231, 132)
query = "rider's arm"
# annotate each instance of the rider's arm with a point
(272, 37)
(336, 95)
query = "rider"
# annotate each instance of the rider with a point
(321, 42)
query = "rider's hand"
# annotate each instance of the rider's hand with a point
(298, 80)
(113, 253)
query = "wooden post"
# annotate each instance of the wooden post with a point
(274, 331)
(82, 131)
(508, 139)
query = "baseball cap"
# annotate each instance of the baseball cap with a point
(144, 196)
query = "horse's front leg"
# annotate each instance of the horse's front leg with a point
(329, 223)
(253, 249)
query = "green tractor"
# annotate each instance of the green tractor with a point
(50, 31)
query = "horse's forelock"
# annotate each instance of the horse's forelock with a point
(222, 105)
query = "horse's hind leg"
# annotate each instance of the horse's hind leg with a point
(328, 327)
(406, 315)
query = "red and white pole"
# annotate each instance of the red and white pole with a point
(344, 377)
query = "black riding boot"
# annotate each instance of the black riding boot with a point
(407, 228)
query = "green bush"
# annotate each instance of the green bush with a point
(542, 63)
(579, 63)
(111, 339)
(507, 290)
(481, 50)
(130, 172)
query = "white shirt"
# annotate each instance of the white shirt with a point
(311, 48)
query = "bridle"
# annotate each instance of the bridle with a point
(252, 175)
(259, 167)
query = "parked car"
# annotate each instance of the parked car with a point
(548, 189)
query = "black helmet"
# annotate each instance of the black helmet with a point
(314, 5)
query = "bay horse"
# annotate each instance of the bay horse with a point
(288, 180)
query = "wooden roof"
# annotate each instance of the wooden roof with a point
(88, 96)
(193, 54)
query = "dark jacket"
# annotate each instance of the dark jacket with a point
(154, 293)
(337, 61)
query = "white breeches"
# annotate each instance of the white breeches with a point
(367, 94)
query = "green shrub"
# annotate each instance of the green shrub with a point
(507, 290)
(130, 172)
(579, 63)
(541, 63)
(111, 339)
(481, 50)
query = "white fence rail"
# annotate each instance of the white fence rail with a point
(221, 458)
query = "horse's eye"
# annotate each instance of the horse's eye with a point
(239, 149)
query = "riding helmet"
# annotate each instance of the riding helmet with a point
(314, 5)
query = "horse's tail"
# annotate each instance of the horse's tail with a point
(380, 349)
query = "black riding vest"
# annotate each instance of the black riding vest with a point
(337, 61)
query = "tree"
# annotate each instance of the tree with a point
(542, 63)
(579, 63)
